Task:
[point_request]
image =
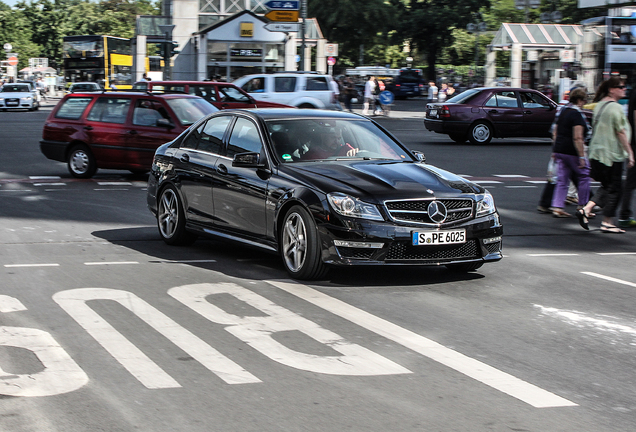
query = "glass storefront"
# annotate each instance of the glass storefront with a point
(231, 60)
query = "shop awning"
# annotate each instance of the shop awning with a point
(538, 36)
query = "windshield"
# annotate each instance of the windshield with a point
(464, 97)
(13, 88)
(319, 139)
(189, 110)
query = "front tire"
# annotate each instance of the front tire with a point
(300, 245)
(81, 162)
(171, 219)
(480, 133)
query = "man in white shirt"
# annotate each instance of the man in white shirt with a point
(369, 88)
(432, 92)
(336, 92)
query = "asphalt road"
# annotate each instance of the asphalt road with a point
(103, 327)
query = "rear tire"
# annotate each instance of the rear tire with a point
(81, 162)
(480, 133)
(300, 245)
(171, 219)
(464, 267)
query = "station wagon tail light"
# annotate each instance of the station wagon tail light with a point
(445, 112)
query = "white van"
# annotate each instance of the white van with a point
(299, 89)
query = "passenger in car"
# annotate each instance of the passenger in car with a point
(326, 144)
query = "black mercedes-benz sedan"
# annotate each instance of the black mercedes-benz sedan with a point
(321, 188)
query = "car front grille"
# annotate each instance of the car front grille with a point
(356, 253)
(12, 102)
(416, 211)
(403, 251)
(493, 247)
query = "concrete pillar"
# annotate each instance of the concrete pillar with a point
(290, 53)
(321, 60)
(307, 65)
(201, 52)
(491, 67)
(140, 58)
(185, 17)
(515, 66)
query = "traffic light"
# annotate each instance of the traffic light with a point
(174, 51)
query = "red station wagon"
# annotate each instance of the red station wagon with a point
(220, 94)
(116, 130)
(481, 114)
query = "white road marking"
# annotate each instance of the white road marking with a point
(475, 369)
(16, 190)
(10, 304)
(111, 263)
(553, 254)
(110, 189)
(49, 184)
(45, 177)
(609, 278)
(114, 183)
(616, 253)
(521, 187)
(258, 331)
(74, 302)
(510, 175)
(31, 265)
(187, 261)
(536, 181)
(603, 323)
(486, 181)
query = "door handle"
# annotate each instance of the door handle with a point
(222, 169)
(185, 157)
(132, 132)
(494, 111)
(527, 112)
(88, 128)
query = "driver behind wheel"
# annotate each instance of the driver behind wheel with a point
(328, 143)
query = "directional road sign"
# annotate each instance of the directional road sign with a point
(282, 27)
(283, 4)
(282, 15)
(13, 61)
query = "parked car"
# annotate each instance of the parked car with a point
(321, 188)
(220, 94)
(299, 89)
(481, 114)
(116, 130)
(84, 87)
(18, 96)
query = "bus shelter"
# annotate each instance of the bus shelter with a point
(550, 50)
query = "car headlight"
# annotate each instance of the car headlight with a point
(485, 204)
(352, 207)
(27, 98)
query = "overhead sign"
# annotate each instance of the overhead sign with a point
(566, 56)
(331, 50)
(13, 61)
(282, 27)
(283, 5)
(282, 15)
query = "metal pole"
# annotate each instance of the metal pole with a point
(303, 14)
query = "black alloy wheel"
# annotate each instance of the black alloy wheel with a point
(171, 219)
(300, 245)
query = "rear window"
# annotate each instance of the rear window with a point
(464, 97)
(284, 84)
(317, 83)
(110, 110)
(72, 108)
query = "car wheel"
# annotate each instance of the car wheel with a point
(464, 267)
(81, 162)
(171, 219)
(300, 246)
(306, 105)
(458, 138)
(480, 133)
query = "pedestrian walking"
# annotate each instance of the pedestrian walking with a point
(625, 219)
(609, 149)
(349, 92)
(432, 92)
(335, 87)
(369, 90)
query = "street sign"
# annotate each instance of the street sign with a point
(283, 5)
(282, 15)
(282, 27)
(386, 97)
(13, 61)
(8, 47)
(331, 50)
(331, 61)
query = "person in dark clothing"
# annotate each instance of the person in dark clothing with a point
(625, 219)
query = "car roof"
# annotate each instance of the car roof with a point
(503, 88)
(84, 82)
(295, 113)
(134, 93)
(185, 82)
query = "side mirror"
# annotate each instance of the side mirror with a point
(248, 160)
(165, 123)
(419, 155)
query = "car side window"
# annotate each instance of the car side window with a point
(534, 100)
(192, 139)
(206, 92)
(72, 108)
(504, 99)
(255, 85)
(284, 84)
(211, 139)
(146, 113)
(110, 110)
(317, 83)
(231, 94)
(244, 138)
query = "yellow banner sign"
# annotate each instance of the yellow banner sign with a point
(247, 29)
(282, 15)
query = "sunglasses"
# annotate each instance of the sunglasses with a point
(620, 87)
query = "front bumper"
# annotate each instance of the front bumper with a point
(382, 243)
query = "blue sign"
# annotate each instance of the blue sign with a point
(283, 4)
(386, 97)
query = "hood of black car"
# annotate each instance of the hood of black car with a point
(382, 179)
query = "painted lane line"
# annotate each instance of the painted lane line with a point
(616, 253)
(553, 254)
(475, 369)
(114, 183)
(609, 278)
(16, 190)
(486, 181)
(186, 261)
(110, 263)
(45, 177)
(510, 176)
(49, 184)
(110, 189)
(30, 265)
(536, 181)
(521, 187)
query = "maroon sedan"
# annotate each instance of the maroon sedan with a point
(481, 114)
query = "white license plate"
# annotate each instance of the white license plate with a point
(433, 113)
(438, 237)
